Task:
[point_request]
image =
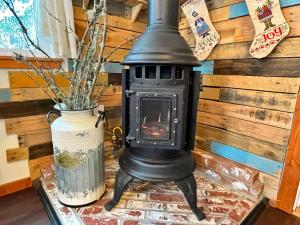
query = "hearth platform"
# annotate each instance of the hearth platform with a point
(145, 203)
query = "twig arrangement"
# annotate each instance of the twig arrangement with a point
(87, 65)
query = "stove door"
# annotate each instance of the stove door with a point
(153, 120)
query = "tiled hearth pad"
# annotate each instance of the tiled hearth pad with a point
(153, 203)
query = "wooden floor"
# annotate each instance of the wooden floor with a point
(272, 216)
(25, 208)
(22, 208)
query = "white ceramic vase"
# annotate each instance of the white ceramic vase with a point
(79, 157)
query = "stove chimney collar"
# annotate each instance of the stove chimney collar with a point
(161, 43)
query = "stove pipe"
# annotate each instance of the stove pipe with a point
(161, 43)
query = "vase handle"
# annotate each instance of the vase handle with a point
(101, 116)
(52, 112)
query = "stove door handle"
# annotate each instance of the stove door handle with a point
(129, 92)
(130, 138)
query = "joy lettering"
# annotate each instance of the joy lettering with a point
(272, 34)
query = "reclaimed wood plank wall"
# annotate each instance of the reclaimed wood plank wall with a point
(247, 105)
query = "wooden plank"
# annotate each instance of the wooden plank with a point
(274, 84)
(24, 125)
(258, 115)
(28, 108)
(210, 93)
(267, 100)
(115, 36)
(111, 101)
(36, 165)
(259, 163)
(291, 174)
(253, 145)
(20, 79)
(241, 50)
(284, 67)
(35, 137)
(15, 186)
(206, 67)
(40, 150)
(213, 4)
(113, 21)
(17, 154)
(115, 79)
(251, 129)
(30, 94)
(118, 55)
(7, 62)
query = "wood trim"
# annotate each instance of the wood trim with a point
(8, 62)
(15, 186)
(291, 173)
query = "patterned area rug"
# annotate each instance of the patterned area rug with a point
(154, 203)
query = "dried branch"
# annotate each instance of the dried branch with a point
(86, 65)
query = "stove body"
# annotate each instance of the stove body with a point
(160, 99)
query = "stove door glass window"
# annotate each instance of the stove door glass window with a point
(155, 118)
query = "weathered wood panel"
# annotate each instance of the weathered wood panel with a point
(241, 50)
(7, 62)
(40, 150)
(281, 67)
(28, 108)
(268, 100)
(113, 21)
(274, 84)
(24, 79)
(36, 165)
(253, 145)
(24, 125)
(17, 154)
(258, 115)
(35, 137)
(115, 36)
(256, 130)
(21, 79)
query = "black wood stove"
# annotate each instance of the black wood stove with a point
(160, 98)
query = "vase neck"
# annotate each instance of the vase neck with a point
(73, 115)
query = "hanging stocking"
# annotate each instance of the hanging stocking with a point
(270, 26)
(205, 34)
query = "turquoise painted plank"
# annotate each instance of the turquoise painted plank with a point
(4, 95)
(286, 3)
(241, 9)
(255, 161)
(113, 68)
(206, 67)
(237, 10)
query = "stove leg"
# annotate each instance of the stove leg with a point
(188, 187)
(122, 181)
